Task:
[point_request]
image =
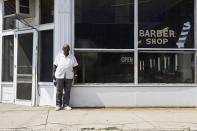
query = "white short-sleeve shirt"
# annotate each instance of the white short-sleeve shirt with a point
(65, 66)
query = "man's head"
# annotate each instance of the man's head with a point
(66, 49)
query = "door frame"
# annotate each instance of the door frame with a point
(34, 97)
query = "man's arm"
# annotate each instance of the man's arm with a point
(54, 70)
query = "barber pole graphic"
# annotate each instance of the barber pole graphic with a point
(183, 35)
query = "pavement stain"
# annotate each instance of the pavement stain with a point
(101, 129)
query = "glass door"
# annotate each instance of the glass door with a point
(24, 67)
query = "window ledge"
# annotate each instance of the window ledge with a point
(50, 84)
(6, 82)
(45, 83)
(132, 85)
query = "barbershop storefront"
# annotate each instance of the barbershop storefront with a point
(131, 53)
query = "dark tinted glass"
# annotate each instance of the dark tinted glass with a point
(105, 67)
(166, 24)
(46, 55)
(24, 2)
(9, 23)
(106, 24)
(8, 58)
(25, 51)
(24, 91)
(9, 7)
(166, 68)
(24, 10)
(47, 11)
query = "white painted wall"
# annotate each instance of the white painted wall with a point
(134, 97)
(8, 93)
(62, 32)
(47, 95)
(126, 97)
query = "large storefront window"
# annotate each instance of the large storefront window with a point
(8, 58)
(166, 24)
(107, 36)
(166, 68)
(104, 35)
(108, 26)
(46, 56)
(105, 67)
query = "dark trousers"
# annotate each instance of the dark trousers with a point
(65, 84)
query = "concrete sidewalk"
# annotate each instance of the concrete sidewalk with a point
(15, 117)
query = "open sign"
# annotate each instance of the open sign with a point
(126, 60)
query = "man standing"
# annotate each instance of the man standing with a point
(64, 70)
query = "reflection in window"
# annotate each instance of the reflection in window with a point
(24, 6)
(105, 67)
(8, 58)
(166, 68)
(110, 36)
(9, 23)
(166, 24)
(9, 7)
(107, 24)
(46, 55)
(47, 11)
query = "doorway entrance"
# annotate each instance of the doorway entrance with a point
(25, 68)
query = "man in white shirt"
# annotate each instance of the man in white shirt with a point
(64, 70)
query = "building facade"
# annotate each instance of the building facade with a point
(131, 53)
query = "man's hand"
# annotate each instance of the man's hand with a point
(75, 74)
(54, 70)
(54, 76)
(75, 78)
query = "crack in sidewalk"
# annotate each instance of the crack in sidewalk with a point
(47, 118)
(148, 122)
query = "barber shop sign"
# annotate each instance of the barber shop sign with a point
(166, 37)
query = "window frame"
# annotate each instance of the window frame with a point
(97, 50)
(136, 51)
(44, 27)
(3, 55)
(40, 27)
(172, 50)
(39, 54)
(168, 52)
(3, 17)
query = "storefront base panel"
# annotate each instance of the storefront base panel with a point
(46, 95)
(124, 96)
(113, 96)
(8, 93)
